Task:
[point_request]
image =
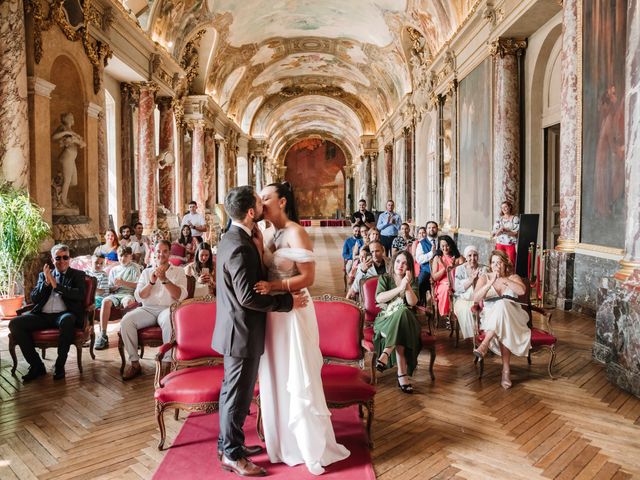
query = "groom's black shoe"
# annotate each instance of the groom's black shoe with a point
(249, 451)
(243, 467)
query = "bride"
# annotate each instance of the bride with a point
(297, 422)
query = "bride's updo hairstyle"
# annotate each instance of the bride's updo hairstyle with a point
(285, 190)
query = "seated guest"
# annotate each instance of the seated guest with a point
(422, 234)
(125, 235)
(466, 277)
(203, 271)
(376, 264)
(140, 244)
(58, 297)
(195, 221)
(403, 240)
(425, 251)
(349, 244)
(362, 216)
(396, 327)
(184, 247)
(367, 235)
(102, 278)
(388, 224)
(157, 288)
(362, 257)
(503, 320)
(156, 236)
(109, 249)
(123, 280)
(447, 257)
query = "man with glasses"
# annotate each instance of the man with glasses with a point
(58, 297)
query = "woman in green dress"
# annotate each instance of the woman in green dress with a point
(396, 327)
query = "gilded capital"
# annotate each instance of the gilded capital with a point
(507, 46)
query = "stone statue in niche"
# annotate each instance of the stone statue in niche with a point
(69, 141)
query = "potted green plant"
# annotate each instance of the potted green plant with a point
(22, 230)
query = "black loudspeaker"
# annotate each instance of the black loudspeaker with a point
(528, 234)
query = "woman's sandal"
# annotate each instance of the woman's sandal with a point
(479, 353)
(379, 365)
(408, 388)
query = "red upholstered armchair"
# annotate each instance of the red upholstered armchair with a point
(368, 287)
(148, 336)
(48, 338)
(542, 339)
(196, 369)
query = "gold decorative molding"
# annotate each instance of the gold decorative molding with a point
(566, 245)
(97, 52)
(507, 46)
(627, 267)
(189, 61)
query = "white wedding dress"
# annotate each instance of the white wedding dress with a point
(296, 420)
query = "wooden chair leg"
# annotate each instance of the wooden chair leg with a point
(481, 367)
(176, 414)
(370, 408)
(552, 359)
(121, 351)
(93, 341)
(529, 358)
(160, 418)
(44, 353)
(432, 360)
(12, 352)
(79, 355)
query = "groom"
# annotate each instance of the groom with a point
(240, 324)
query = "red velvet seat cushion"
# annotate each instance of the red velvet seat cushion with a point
(192, 385)
(368, 333)
(150, 333)
(427, 340)
(540, 338)
(52, 335)
(339, 328)
(344, 384)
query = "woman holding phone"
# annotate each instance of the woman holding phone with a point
(202, 270)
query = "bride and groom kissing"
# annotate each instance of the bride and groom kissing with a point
(266, 327)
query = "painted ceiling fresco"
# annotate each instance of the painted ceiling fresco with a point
(262, 60)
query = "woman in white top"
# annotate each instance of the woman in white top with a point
(296, 419)
(202, 269)
(503, 320)
(505, 231)
(466, 277)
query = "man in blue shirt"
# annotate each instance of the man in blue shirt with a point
(389, 224)
(349, 243)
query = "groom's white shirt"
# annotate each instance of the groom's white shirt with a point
(243, 227)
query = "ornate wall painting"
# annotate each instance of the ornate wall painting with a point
(315, 170)
(475, 148)
(603, 207)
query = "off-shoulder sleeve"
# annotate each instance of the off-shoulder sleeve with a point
(298, 255)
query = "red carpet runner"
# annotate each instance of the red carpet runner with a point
(193, 453)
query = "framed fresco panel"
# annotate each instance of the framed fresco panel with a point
(475, 148)
(602, 218)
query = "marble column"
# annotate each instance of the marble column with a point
(559, 275)
(366, 179)
(259, 166)
(167, 175)
(103, 173)
(210, 161)
(147, 201)
(222, 169)
(506, 122)
(14, 117)
(631, 260)
(374, 181)
(129, 98)
(453, 94)
(388, 170)
(198, 166)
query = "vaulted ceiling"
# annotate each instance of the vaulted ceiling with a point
(285, 69)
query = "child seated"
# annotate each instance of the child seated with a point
(97, 271)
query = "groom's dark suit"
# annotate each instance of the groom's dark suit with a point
(239, 332)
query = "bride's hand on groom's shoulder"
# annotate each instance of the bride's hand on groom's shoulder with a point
(262, 287)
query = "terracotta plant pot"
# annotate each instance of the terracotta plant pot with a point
(9, 305)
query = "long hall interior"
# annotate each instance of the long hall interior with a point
(510, 125)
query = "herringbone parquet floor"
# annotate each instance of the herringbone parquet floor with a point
(578, 426)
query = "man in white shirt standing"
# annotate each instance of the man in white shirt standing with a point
(424, 253)
(195, 220)
(158, 288)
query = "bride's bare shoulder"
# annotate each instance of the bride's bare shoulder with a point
(298, 237)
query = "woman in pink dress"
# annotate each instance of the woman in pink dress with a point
(446, 257)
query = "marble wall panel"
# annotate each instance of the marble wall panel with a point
(589, 272)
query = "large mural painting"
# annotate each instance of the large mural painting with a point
(315, 170)
(475, 148)
(604, 49)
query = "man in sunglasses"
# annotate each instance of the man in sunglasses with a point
(58, 297)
